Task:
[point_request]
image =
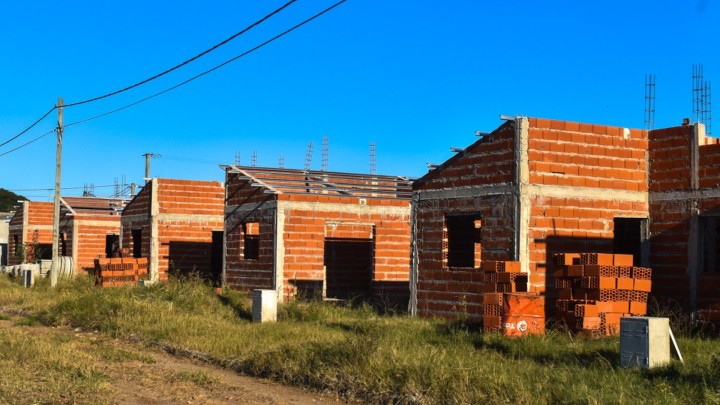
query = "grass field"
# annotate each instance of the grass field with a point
(360, 354)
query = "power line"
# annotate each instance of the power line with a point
(248, 28)
(27, 143)
(29, 128)
(276, 37)
(52, 188)
(201, 54)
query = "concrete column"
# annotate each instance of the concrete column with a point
(154, 258)
(522, 205)
(75, 242)
(279, 251)
(694, 265)
(412, 305)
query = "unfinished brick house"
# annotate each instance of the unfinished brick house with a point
(530, 189)
(30, 232)
(321, 234)
(89, 229)
(178, 226)
(684, 198)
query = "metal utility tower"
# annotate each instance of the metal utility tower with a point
(372, 158)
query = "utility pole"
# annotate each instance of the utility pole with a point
(55, 268)
(147, 164)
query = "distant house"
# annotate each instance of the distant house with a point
(89, 229)
(530, 189)
(30, 232)
(316, 233)
(4, 235)
(178, 226)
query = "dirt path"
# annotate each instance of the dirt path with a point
(146, 376)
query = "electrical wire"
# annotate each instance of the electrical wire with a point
(276, 37)
(201, 54)
(27, 143)
(62, 188)
(28, 128)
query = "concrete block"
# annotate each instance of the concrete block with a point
(28, 278)
(644, 342)
(264, 306)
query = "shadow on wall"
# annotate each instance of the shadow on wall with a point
(186, 259)
(559, 244)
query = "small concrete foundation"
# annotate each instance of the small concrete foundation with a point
(264, 306)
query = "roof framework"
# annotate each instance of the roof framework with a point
(294, 181)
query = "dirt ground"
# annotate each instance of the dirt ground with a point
(161, 378)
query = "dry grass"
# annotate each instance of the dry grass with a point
(358, 353)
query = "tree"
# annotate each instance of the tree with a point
(8, 200)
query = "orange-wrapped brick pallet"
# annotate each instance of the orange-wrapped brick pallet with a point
(507, 306)
(117, 272)
(595, 290)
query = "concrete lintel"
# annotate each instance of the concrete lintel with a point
(32, 228)
(350, 208)
(132, 218)
(662, 196)
(245, 208)
(465, 192)
(587, 192)
(189, 217)
(95, 223)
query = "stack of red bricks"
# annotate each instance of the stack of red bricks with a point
(503, 277)
(507, 306)
(121, 271)
(595, 290)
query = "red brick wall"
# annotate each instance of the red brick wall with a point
(670, 158)
(587, 155)
(709, 171)
(247, 204)
(490, 160)
(447, 292)
(560, 225)
(91, 241)
(40, 219)
(303, 238)
(595, 160)
(136, 215)
(188, 213)
(306, 231)
(15, 230)
(140, 204)
(678, 271)
(708, 285)
(190, 197)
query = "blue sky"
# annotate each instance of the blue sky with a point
(415, 77)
